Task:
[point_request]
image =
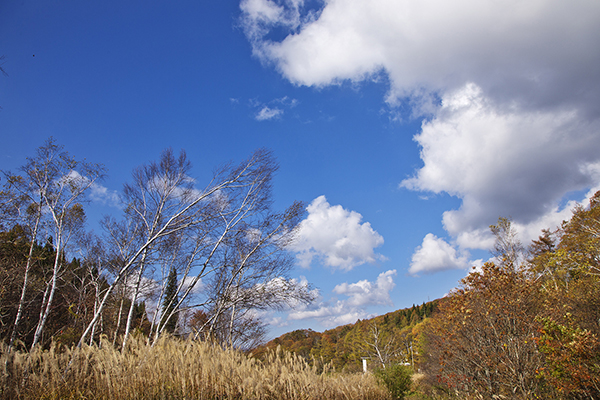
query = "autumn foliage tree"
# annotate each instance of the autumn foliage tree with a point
(484, 335)
(572, 358)
(482, 340)
(567, 262)
(526, 326)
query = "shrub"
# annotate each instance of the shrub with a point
(396, 378)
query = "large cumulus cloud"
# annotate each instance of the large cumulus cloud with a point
(510, 91)
(540, 52)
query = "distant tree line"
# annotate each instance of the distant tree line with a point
(343, 347)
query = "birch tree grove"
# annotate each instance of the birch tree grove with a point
(62, 183)
(230, 216)
(19, 200)
(175, 248)
(51, 189)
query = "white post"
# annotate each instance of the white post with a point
(364, 360)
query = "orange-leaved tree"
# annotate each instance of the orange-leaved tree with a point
(484, 335)
(568, 264)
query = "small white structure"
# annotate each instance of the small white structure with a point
(364, 359)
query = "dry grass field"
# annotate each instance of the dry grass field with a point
(173, 369)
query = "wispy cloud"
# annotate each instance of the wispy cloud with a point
(360, 296)
(97, 192)
(105, 196)
(267, 113)
(273, 109)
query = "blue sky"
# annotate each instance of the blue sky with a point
(406, 127)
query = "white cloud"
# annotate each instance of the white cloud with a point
(511, 90)
(198, 288)
(336, 236)
(434, 255)
(267, 113)
(287, 102)
(262, 15)
(262, 10)
(97, 192)
(361, 295)
(541, 52)
(364, 292)
(272, 109)
(105, 196)
(276, 321)
(321, 311)
(330, 315)
(345, 318)
(287, 292)
(503, 163)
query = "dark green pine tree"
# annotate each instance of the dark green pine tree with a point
(169, 302)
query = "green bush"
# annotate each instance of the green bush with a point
(396, 378)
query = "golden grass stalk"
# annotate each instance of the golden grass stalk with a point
(172, 369)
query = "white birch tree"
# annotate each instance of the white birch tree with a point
(164, 201)
(22, 204)
(62, 183)
(49, 192)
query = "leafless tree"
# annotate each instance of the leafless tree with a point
(165, 205)
(251, 264)
(121, 238)
(508, 249)
(382, 346)
(62, 183)
(90, 281)
(22, 204)
(51, 189)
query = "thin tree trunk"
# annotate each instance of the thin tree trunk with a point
(155, 320)
(231, 322)
(46, 310)
(13, 335)
(95, 308)
(101, 329)
(119, 319)
(132, 305)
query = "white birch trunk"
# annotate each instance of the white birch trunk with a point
(13, 335)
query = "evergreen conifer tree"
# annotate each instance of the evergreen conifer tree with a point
(169, 302)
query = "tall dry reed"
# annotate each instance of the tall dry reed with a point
(172, 369)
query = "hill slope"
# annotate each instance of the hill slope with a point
(393, 337)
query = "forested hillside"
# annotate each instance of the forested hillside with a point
(391, 338)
